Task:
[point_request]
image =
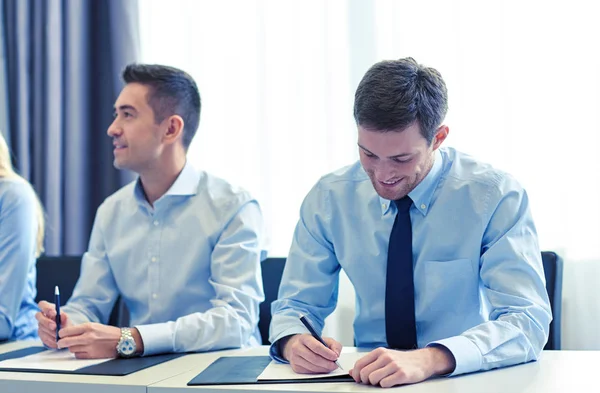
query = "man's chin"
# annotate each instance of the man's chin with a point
(392, 195)
(119, 164)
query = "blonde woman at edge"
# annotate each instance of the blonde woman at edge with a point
(21, 242)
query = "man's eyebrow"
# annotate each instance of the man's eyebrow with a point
(396, 156)
(365, 149)
(125, 107)
(401, 155)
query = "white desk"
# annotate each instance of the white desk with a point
(17, 382)
(555, 372)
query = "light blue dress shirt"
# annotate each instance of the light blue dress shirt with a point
(188, 268)
(18, 245)
(479, 281)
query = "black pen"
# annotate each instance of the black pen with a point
(57, 304)
(315, 335)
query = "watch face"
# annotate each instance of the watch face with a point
(127, 347)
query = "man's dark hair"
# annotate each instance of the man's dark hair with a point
(171, 92)
(394, 94)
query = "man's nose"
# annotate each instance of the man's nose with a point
(113, 129)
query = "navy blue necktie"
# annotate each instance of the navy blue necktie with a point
(400, 326)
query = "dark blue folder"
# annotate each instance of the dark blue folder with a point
(115, 367)
(242, 370)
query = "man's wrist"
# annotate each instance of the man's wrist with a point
(139, 343)
(282, 342)
(441, 359)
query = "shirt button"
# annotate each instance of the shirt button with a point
(154, 296)
(423, 206)
(384, 205)
(155, 223)
(153, 259)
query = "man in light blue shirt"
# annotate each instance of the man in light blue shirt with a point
(479, 293)
(181, 247)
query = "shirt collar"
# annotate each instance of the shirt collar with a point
(423, 192)
(187, 181)
(185, 184)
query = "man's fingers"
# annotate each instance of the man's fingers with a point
(48, 309)
(45, 305)
(320, 364)
(68, 342)
(46, 334)
(82, 355)
(367, 359)
(304, 360)
(64, 319)
(300, 369)
(311, 366)
(315, 346)
(351, 373)
(74, 330)
(366, 373)
(45, 331)
(393, 376)
(74, 335)
(40, 317)
(78, 348)
(308, 355)
(334, 345)
(44, 321)
(362, 363)
(48, 340)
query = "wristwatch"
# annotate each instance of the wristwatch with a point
(126, 346)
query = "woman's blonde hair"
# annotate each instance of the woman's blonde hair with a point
(7, 171)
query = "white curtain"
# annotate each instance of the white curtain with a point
(277, 79)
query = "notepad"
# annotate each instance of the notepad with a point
(51, 360)
(278, 371)
(43, 360)
(242, 370)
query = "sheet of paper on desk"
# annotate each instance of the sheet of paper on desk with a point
(62, 360)
(275, 370)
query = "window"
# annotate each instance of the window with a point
(277, 79)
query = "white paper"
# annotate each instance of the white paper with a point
(58, 360)
(277, 371)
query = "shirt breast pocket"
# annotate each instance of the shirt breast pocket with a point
(450, 285)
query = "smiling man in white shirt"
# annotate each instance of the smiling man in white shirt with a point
(181, 247)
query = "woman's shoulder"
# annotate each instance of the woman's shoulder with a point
(16, 190)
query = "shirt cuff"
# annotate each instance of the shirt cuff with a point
(157, 338)
(275, 352)
(466, 354)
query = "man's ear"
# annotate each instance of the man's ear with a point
(440, 136)
(174, 131)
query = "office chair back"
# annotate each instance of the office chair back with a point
(272, 269)
(57, 270)
(553, 270)
(64, 271)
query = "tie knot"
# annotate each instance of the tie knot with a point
(403, 204)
